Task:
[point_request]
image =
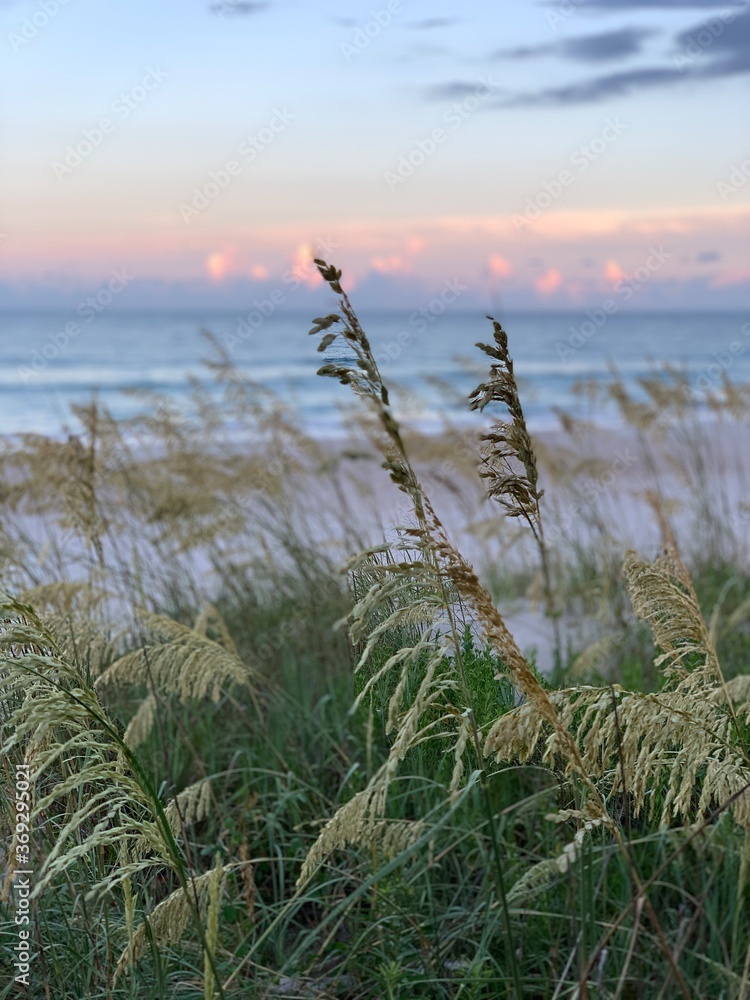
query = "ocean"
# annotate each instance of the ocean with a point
(433, 364)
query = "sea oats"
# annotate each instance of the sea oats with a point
(171, 918)
(142, 723)
(438, 585)
(190, 806)
(678, 751)
(509, 463)
(507, 447)
(72, 746)
(180, 661)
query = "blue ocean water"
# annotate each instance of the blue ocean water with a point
(434, 364)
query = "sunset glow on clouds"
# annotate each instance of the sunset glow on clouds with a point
(284, 144)
(390, 265)
(303, 266)
(548, 282)
(218, 264)
(613, 271)
(499, 267)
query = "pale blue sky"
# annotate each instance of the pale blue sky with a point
(353, 119)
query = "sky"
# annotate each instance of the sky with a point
(546, 155)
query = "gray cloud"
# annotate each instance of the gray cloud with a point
(612, 85)
(433, 22)
(708, 256)
(238, 7)
(427, 24)
(717, 48)
(608, 45)
(586, 48)
(455, 91)
(601, 87)
(651, 4)
(712, 49)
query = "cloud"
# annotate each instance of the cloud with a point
(499, 266)
(223, 7)
(549, 282)
(651, 4)
(613, 272)
(608, 45)
(588, 91)
(717, 47)
(303, 265)
(429, 23)
(724, 47)
(220, 263)
(708, 256)
(610, 85)
(587, 48)
(456, 90)
(389, 263)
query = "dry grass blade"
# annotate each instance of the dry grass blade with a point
(662, 594)
(679, 751)
(509, 462)
(74, 754)
(170, 919)
(507, 447)
(180, 661)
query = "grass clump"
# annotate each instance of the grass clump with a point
(253, 776)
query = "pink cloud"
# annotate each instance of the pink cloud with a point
(735, 276)
(219, 264)
(548, 282)
(613, 272)
(499, 267)
(303, 265)
(390, 265)
(481, 250)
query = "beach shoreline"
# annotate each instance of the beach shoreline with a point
(604, 489)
